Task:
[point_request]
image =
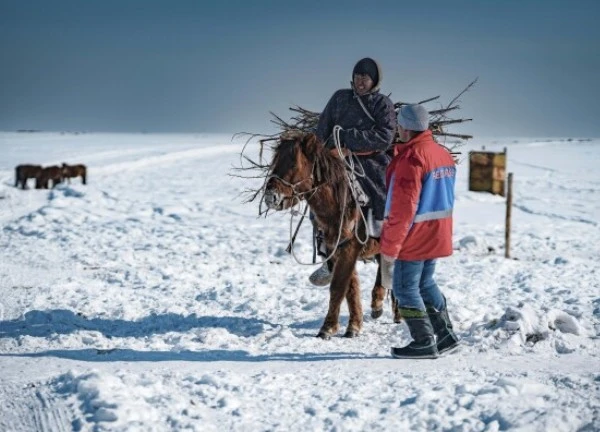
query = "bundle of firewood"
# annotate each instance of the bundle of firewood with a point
(440, 118)
(305, 121)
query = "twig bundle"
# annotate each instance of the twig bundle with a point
(440, 118)
(305, 121)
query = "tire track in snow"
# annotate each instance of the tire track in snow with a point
(33, 409)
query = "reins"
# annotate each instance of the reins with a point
(352, 168)
(297, 196)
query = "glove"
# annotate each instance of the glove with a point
(387, 271)
(388, 258)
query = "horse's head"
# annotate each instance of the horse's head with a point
(292, 171)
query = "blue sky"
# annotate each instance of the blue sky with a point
(187, 66)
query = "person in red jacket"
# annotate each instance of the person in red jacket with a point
(417, 229)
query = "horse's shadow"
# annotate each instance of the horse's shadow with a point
(129, 355)
(39, 323)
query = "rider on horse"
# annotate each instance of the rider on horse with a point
(368, 124)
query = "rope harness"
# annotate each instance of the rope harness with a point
(354, 170)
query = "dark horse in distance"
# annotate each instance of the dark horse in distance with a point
(52, 173)
(25, 172)
(73, 171)
(303, 169)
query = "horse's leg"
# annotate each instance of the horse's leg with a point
(336, 296)
(377, 294)
(342, 273)
(354, 307)
(396, 309)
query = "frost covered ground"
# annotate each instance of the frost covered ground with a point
(154, 299)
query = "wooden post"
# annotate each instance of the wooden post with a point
(508, 214)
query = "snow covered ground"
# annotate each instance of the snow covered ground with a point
(152, 298)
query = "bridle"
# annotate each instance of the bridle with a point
(297, 196)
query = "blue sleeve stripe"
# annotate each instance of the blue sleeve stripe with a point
(388, 200)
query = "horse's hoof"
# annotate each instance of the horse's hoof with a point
(351, 333)
(324, 335)
(398, 317)
(376, 313)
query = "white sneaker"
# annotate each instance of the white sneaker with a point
(321, 276)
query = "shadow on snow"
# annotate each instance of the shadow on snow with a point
(60, 321)
(112, 355)
(46, 323)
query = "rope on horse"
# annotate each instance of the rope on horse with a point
(352, 171)
(351, 164)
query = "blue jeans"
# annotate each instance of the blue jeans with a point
(414, 286)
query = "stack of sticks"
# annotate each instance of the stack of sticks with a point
(305, 121)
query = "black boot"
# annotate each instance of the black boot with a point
(442, 327)
(423, 346)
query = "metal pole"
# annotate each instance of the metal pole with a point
(508, 214)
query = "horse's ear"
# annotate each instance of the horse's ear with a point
(312, 144)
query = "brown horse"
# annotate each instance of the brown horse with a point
(25, 172)
(53, 173)
(73, 171)
(303, 169)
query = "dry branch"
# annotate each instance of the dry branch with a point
(305, 121)
(438, 123)
(463, 137)
(442, 111)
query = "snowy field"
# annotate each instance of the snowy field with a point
(153, 299)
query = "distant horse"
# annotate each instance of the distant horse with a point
(25, 172)
(53, 173)
(73, 171)
(303, 169)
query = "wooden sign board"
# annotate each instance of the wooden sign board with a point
(487, 172)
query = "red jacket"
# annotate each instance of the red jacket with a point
(420, 198)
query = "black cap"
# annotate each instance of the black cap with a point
(367, 66)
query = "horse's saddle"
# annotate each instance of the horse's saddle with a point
(363, 200)
(357, 191)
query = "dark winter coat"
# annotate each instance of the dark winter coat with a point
(367, 138)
